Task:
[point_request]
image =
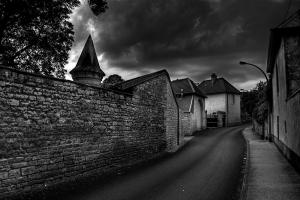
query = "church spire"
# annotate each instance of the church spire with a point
(87, 69)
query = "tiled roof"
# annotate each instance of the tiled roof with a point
(126, 85)
(139, 80)
(291, 21)
(88, 59)
(220, 86)
(186, 86)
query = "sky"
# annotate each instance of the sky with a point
(189, 38)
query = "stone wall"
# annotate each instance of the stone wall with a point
(172, 122)
(54, 131)
(261, 129)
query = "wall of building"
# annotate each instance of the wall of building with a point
(286, 108)
(174, 135)
(215, 102)
(198, 114)
(279, 96)
(54, 131)
(218, 102)
(292, 131)
(203, 113)
(186, 123)
(234, 109)
(195, 118)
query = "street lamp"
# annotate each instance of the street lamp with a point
(264, 73)
(245, 63)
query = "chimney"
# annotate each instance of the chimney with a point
(213, 78)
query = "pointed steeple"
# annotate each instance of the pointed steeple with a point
(87, 69)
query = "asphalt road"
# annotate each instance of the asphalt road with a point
(207, 168)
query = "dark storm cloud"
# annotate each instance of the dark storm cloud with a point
(153, 29)
(190, 38)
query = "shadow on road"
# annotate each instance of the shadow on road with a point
(208, 167)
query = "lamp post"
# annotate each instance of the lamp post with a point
(264, 73)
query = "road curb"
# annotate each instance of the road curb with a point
(245, 170)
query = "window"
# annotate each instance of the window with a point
(233, 99)
(285, 126)
(292, 62)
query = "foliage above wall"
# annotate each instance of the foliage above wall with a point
(112, 80)
(256, 102)
(36, 35)
(260, 112)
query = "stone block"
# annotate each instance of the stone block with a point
(3, 175)
(14, 102)
(32, 98)
(28, 170)
(14, 173)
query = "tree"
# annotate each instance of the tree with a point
(112, 80)
(248, 103)
(260, 112)
(98, 6)
(256, 101)
(36, 36)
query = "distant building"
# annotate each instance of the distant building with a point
(191, 101)
(87, 69)
(284, 67)
(222, 97)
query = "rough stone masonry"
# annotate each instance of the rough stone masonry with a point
(54, 131)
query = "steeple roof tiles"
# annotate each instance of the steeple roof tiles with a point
(88, 61)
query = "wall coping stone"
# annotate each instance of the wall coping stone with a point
(63, 80)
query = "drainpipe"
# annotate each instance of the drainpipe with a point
(178, 128)
(226, 110)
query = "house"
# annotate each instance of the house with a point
(284, 68)
(191, 101)
(223, 98)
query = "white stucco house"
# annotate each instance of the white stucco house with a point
(191, 101)
(222, 97)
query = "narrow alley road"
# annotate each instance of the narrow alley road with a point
(208, 167)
